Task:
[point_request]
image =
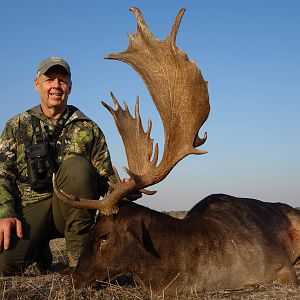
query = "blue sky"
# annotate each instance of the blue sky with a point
(247, 50)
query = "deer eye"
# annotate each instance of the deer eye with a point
(104, 238)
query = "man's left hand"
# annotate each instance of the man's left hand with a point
(135, 195)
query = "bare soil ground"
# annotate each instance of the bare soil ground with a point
(58, 286)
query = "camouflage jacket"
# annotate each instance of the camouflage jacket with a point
(80, 136)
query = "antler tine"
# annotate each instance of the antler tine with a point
(138, 143)
(175, 26)
(73, 200)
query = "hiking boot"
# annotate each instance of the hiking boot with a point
(73, 257)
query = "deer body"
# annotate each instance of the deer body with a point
(223, 243)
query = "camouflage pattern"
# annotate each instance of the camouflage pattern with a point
(80, 136)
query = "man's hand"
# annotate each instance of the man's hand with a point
(6, 227)
(133, 196)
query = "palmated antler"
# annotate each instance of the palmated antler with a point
(181, 97)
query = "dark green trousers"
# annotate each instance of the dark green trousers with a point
(51, 218)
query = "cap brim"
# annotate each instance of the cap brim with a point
(44, 69)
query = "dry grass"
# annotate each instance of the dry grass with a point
(57, 286)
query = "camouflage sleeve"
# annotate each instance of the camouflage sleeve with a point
(7, 172)
(101, 161)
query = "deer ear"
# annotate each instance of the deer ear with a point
(141, 236)
(135, 230)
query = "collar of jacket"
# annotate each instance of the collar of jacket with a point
(76, 115)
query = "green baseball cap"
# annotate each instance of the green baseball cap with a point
(46, 64)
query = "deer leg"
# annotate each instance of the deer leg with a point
(287, 275)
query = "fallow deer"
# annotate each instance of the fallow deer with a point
(223, 242)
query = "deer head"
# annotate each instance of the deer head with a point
(180, 95)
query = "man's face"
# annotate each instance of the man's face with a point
(54, 88)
